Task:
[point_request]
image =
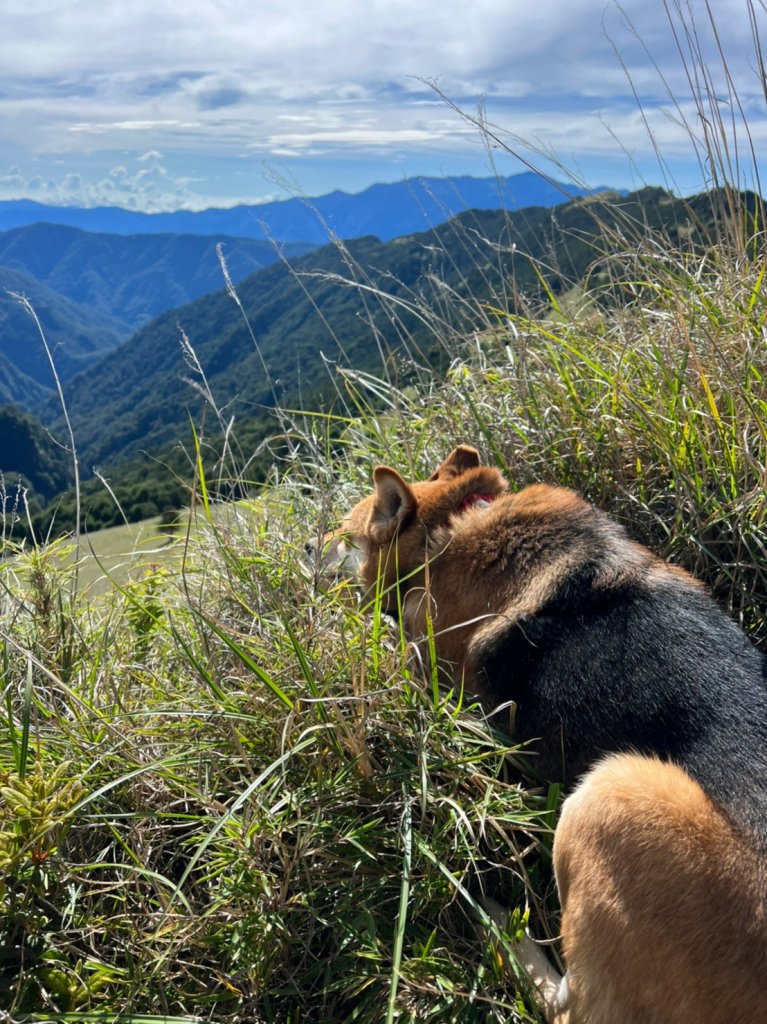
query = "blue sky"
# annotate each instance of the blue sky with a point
(164, 105)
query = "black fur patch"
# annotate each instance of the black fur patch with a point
(652, 666)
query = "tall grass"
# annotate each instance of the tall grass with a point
(227, 793)
(212, 783)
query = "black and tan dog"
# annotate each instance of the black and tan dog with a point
(620, 666)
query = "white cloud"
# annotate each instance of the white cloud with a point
(101, 128)
(147, 188)
(357, 137)
(89, 83)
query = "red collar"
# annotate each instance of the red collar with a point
(471, 501)
(483, 500)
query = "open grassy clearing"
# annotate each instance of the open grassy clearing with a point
(110, 556)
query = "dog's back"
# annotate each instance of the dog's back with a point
(634, 655)
(539, 599)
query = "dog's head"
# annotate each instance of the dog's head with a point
(385, 539)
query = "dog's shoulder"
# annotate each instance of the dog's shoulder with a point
(545, 547)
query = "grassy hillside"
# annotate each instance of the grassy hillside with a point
(228, 794)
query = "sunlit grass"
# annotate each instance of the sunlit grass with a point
(211, 780)
(227, 793)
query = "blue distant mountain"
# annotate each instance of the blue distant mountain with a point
(385, 211)
(131, 278)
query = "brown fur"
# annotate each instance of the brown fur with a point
(471, 592)
(664, 898)
(664, 915)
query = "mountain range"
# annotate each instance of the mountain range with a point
(133, 278)
(360, 304)
(384, 210)
(355, 304)
(92, 289)
(90, 292)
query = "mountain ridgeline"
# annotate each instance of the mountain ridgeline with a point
(386, 211)
(354, 305)
(349, 304)
(91, 291)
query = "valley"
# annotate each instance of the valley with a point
(235, 356)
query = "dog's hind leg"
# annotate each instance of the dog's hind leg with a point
(664, 906)
(546, 982)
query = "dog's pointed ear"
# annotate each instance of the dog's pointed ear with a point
(394, 504)
(458, 461)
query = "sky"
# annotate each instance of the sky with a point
(164, 105)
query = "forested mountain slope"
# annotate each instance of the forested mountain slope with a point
(133, 278)
(329, 306)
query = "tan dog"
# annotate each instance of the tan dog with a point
(621, 666)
